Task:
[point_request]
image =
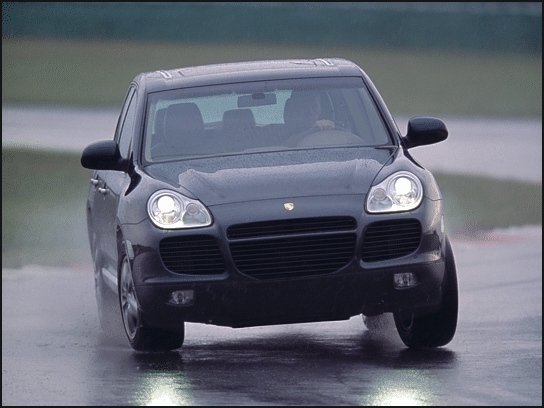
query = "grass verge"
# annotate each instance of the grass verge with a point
(44, 194)
(412, 83)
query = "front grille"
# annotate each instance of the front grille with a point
(194, 255)
(385, 240)
(288, 227)
(322, 249)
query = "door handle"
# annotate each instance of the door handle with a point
(94, 182)
(103, 191)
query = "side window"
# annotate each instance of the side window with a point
(124, 135)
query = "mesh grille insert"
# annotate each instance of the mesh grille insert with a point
(195, 255)
(385, 240)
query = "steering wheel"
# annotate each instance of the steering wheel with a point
(340, 126)
(329, 137)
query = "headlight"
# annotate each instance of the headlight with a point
(170, 210)
(401, 191)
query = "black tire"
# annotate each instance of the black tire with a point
(437, 329)
(140, 337)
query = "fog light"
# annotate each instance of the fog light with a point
(182, 297)
(404, 280)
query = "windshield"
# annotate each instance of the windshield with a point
(259, 117)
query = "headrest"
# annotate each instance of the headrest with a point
(238, 119)
(183, 119)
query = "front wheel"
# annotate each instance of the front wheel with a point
(437, 329)
(142, 338)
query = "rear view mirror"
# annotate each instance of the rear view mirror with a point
(256, 99)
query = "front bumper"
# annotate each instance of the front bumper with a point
(338, 297)
(235, 299)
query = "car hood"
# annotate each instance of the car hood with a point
(288, 174)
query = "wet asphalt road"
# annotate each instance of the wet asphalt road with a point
(54, 354)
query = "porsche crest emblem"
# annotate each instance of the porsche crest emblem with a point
(289, 206)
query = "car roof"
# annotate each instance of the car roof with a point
(247, 71)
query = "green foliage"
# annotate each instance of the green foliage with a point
(454, 25)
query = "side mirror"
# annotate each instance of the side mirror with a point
(424, 130)
(103, 155)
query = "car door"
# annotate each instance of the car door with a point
(109, 186)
